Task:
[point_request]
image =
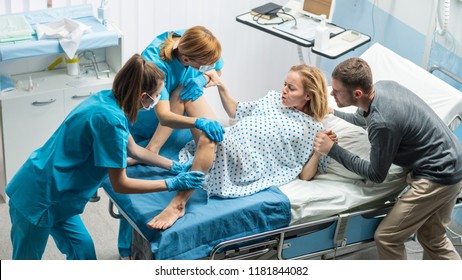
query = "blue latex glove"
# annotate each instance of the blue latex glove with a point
(178, 167)
(213, 129)
(185, 181)
(193, 88)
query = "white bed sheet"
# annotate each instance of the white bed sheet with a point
(340, 190)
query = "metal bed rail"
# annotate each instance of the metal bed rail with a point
(279, 239)
(446, 72)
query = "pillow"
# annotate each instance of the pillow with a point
(354, 139)
(350, 137)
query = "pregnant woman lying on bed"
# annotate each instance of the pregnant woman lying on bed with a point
(270, 144)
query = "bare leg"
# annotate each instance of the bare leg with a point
(176, 208)
(203, 160)
(162, 133)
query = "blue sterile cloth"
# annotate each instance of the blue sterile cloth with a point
(6, 83)
(98, 37)
(207, 222)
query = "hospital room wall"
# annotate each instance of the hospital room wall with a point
(256, 62)
(404, 27)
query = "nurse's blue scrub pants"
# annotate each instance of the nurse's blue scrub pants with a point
(71, 238)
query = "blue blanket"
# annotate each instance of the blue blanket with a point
(207, 222)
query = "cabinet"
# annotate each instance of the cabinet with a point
(29, 117)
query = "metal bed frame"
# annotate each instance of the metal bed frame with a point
(327, 238)
(446, 72)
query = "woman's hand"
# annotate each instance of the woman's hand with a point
(332, 135)
(323, 142)
(214, 78)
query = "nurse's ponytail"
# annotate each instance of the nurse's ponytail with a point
(166, 51)
(197, 43)
(135, 77)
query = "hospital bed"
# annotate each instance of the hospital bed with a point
(336, 212)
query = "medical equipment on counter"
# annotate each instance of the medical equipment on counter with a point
(331, 214)
(103, 12)
(90, 55)
(99, 37)
(55, 93)
(322, 34)
(72, 66)
(14, 28)
(6, 83)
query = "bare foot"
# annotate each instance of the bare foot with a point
(168, 216)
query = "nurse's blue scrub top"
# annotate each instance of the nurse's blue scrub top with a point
(175, 75)
(58, 179)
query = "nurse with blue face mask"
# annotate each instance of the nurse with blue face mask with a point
(183, 56)
(51, 189)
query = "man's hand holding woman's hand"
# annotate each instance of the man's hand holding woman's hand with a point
(324, 141)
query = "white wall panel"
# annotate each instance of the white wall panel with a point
(18, 6)
(146, 23)
(37, 5)
(255, 62)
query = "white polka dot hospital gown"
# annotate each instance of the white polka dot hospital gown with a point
(268, 146)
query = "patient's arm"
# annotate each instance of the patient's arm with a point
(310, 168)
(229, 102)
(209, 80)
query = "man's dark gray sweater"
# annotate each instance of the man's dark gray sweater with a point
(403, 130)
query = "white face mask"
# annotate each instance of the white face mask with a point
(153, 103)
(205, 68)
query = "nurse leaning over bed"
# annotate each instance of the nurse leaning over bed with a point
(270, 144)
(183, 56)
(51, 189)
(405, 131)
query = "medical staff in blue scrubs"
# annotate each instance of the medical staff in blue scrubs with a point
(51, 189)
(183, 56)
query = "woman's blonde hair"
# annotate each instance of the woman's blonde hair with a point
(315, 85)
(135, 77)
(197, 43)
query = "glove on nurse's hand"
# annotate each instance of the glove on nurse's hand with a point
(193, 88)
(213, 129)
(178, 167)
(185, 181)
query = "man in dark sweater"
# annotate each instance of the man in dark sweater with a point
(405, 131)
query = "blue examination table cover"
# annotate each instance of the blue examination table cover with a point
(99, 37)
(207, 221)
